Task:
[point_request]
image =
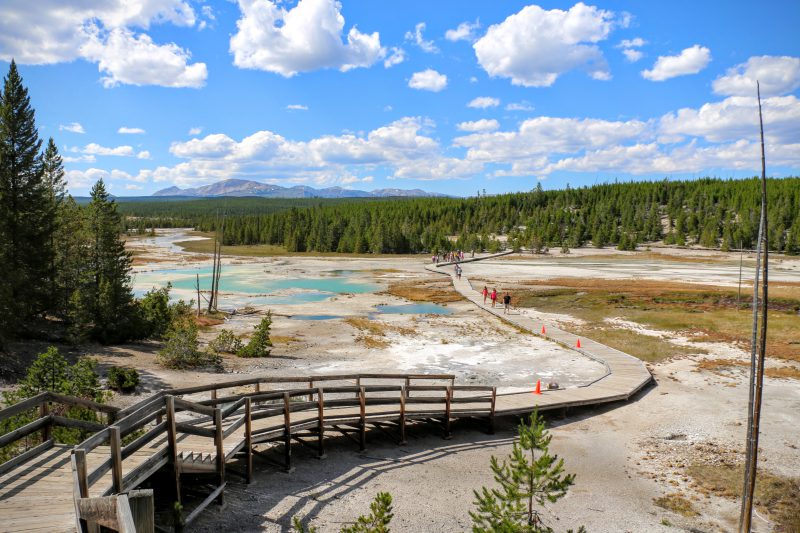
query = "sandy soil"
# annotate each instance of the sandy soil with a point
(624, 455)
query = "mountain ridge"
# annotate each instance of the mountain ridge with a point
(239, 187)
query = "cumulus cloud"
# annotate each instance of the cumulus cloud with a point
(479, 125)
(690, 61)
(304, 38)
(777, 75)
(297, 107)
(630, 48)
(534, 46)
(73, 127)
(519, 106)
(428, 80)
(464, 32)
(144, 154)
(484, 102)
(417, 38)
(195, 131)
(95, 149)
(136, 60)
(100, 31)
(632, 55)
(397, 56)
(124, 130)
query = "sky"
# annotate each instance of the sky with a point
(450, 96)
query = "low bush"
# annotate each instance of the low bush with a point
(260, 344)
(226, 342)
(123, 379)
(181, 349)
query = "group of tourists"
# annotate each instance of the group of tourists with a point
(448, 257)
(493, 297)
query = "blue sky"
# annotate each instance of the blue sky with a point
(448, 96)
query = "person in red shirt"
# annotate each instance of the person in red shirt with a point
(485, 294)
(494, 296)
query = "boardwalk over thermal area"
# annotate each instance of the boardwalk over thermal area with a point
(207, 429)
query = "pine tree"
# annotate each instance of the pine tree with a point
(526, 483)
(53, 176)
(25, 229)
(109, 292)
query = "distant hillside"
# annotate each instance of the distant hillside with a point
(235, 187)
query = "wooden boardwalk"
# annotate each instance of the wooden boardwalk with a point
(201, 430)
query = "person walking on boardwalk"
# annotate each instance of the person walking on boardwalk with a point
(485, 294)
(506, 303)
(494, 296)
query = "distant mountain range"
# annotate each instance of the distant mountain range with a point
(234, 187)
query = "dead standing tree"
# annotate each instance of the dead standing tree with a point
(758, 349)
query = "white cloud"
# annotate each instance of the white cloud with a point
(304, 38)
(428, 80)
(99, 31)
(543, 136)
(195, 131)
(73, 127)
(632, 55)
(776, 74)
(79, 179)
(736, 118)
(124, 130)
(136, 60)
(484, 102)
(397, 56)
(464, 32)
(479, 125)
(636, 42)
(144, 154)
(519, 106)
(297, 107)
(690, 61)
(417, 38)
(79, 159)
(96, 149)
(133, 187)
(534, 47)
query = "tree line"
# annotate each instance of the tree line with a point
(714, 213)
(59, 260)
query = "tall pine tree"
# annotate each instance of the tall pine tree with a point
(53, 176)
(25, 226)
(108, 295)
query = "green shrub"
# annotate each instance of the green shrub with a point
(154, 310)
(226, 342)
(181, 349)
(260, 344)
(123, 379)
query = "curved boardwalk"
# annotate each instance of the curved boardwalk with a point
(625, 375)
(200, 430)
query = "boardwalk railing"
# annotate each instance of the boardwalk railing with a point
(201, 436)
(45, 413)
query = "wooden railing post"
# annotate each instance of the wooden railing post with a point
(362, 426)
(44, 410)
(287, 432)
(320, 424)
(80, 470)
(248, 437)
(402, 416)
(491, 411)
(172, 444)
(408, 384)
(311, 386)
(213, 394)
(115, 441)
(220, 445)
(447, 402)
(358, 383)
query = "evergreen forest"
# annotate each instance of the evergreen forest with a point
(713, 213)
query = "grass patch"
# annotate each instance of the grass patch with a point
(206, 246)
(676, 503)
(778, 496)
(705, 312)
(718, 365)
(421, 291)
(376, 328)
(373, 342)
(283, 339)
(644, 347)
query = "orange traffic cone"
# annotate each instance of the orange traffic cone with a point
(538, 387)
(578, 344)
(544, 332)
